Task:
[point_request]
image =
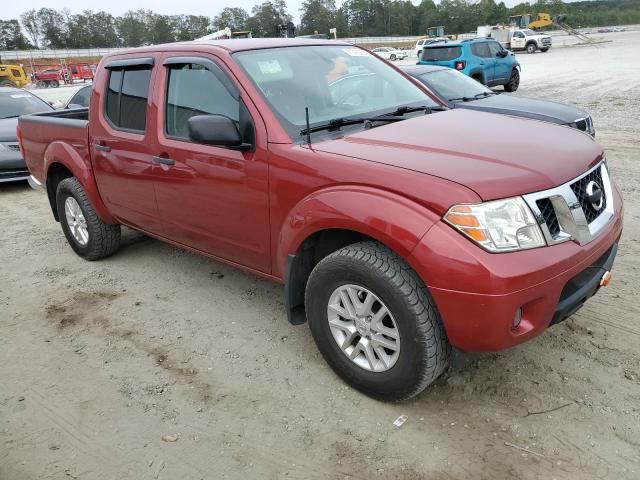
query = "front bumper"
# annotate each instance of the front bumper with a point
(478, 293)
(12, 168)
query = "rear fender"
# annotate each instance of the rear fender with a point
(75, 158)
(394, 220)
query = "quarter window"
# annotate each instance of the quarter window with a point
(127, 93)
(195, 90)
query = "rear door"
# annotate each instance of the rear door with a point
(211, 198)
(122, 160)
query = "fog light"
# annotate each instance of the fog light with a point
(517, 318)
(606, 279)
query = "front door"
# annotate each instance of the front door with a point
(502, 70)
(486, 61)
(517, 41)
(122, 160)
(211, 198)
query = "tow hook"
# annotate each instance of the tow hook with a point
(606, 279)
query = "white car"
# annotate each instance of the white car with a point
(617, 29)
(420, 44)
(389, 53)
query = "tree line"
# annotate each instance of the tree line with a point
(51, 28)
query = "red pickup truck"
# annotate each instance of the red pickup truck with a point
(398, 227)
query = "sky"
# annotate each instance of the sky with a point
(209, 8)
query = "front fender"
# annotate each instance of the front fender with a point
(76, 159)
(387, 217)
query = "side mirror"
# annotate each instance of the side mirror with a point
(502, 53)
(216, 130)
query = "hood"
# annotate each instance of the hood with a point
(527, 107)
(8, 129)
(496, 156)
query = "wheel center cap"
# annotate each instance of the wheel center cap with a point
(362, 326)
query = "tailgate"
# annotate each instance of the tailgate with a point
(42, 131)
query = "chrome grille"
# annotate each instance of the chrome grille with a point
(12, 146)
(580, 190)
(549, 215)
(566, 213)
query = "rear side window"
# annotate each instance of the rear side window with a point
(441, 53)
(195, 90)
(481, 50)
(127, 93)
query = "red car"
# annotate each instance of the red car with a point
(398, 228)
(50, 77)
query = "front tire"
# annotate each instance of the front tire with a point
(543, 50)
(514, 81)
(375, 323)
(393, 57)
(89, 237)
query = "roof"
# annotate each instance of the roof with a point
(235, 44)
(415, 70)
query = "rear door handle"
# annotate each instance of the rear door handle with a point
(163, 160)
(102, 148)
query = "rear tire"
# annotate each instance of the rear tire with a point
(478, 79)
(393, 57)
(531, 48)
(514, 81)
(55, 84)
(89, 237)
(410, 326)
(543, 50)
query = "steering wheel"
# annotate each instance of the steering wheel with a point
(354, 95)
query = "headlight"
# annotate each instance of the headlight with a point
(498, 226)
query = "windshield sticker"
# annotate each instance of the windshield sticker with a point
(355, 52)
(270, 67)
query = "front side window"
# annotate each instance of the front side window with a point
(195, 90)
(495, 48)
(127, 93)
(331, 81)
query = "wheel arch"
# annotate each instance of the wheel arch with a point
(327, 221)
(61, 161)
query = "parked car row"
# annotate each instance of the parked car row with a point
(399, 222)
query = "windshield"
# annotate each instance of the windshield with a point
(16, 103)
(449, 84)
(528, 32)
(332, 81)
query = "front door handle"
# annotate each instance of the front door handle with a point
(164, 160)
(102, 148)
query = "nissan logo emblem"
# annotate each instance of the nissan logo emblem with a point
(594, 195)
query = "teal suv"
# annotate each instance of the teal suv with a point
(483, 59)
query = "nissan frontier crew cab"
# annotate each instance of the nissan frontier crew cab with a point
(398, 228)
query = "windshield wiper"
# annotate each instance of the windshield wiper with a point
(336, 123)
(464, 99)
(484, 94)
(394, 116)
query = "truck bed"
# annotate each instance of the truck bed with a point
(61, 129)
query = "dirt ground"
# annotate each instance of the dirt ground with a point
(159, 364)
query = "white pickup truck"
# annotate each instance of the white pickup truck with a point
(516, 39)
